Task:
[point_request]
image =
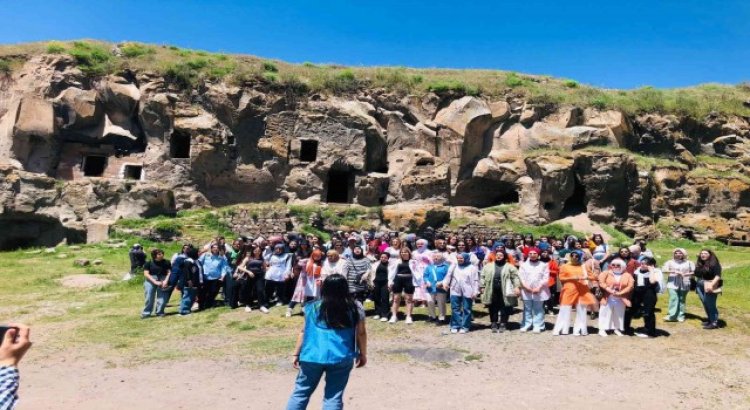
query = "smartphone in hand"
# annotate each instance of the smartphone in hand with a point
(4, 329)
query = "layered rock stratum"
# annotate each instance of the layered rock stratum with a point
(81, 149)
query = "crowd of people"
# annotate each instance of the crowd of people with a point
(547, 276)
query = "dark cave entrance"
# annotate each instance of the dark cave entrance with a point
(94, 165)
(308, 151)
(484, 193)
(340, 187)
(576, 203)
(179, 145)
(133, 172)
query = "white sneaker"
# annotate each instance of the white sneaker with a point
(682, 319)
(536, 331)
(248, 309)
(603, 333)
(288, 312)
(454, 330)
(394, 319)
(408, 320)
(383, 319)
(617, 332)
(279, 304)
(376, 317)
(463, 331)
(525, 329)
(264, 309)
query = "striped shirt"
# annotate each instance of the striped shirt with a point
(355, 269)
(8, 387)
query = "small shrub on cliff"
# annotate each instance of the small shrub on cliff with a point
(55, 47)
(270, 67)
(396, 79)
(271, 77)
(340, 81)
(439, 87)
(180, 74)
(92, 59)
(514, 80)
(571, 83)
(167, 228)
(133, 50)
(5, 68)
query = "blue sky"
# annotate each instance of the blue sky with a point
(610, 44)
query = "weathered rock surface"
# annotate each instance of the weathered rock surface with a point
(76, 154)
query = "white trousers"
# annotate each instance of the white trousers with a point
(562, 324)
(612, 316)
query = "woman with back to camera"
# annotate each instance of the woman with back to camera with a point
(333, 339)
(708, 287)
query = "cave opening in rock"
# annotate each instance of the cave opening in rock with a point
(576, 203)
(133, 172)
(94, 165)
(308, 150)
(484, 193)
(179, 145)
(340, 186)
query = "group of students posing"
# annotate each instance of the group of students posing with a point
(544, 273)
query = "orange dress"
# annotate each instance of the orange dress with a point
(574, 290)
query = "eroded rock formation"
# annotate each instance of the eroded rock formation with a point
(79, 151)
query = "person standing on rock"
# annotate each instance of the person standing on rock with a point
(501, 289)
(680, 272)
(534, 275)
(332, 341)
(709, 286)
(156, 284)
(463, 283)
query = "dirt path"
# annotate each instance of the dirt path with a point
(690, 368)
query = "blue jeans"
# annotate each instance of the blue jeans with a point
(153, 293)
(337, 375)
(709, 303)
(461, 312)
(186, 302)
(533, 314)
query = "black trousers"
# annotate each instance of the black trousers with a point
(498, 306)
(276, 288)
(642, 304)
(553, 300)
(260, 289)
(380, 295)
(207, 293)
(244, 289)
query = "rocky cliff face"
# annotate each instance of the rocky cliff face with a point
(78, 152)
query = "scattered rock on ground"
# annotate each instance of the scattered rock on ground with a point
(81, 262)
(97, 262)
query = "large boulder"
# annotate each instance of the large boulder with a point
(615, 121)
(120, 98)
(35, 118)
(81, 108)
(462, 141)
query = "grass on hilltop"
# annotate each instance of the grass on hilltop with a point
(187, 68)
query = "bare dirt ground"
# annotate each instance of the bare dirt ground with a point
(423, 368)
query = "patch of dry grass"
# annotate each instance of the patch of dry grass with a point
(189, 67)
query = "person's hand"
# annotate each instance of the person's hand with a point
(517, 291)
(164, 284)
(440, 285)
(190, 284)
(14, 345)
(361, 360)
(295, 362)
